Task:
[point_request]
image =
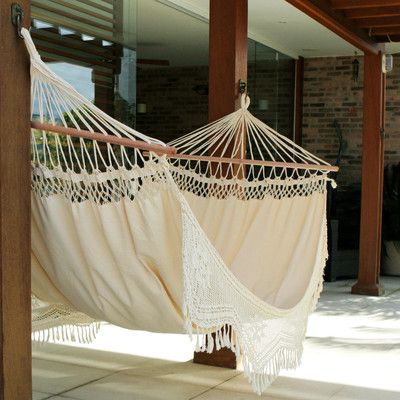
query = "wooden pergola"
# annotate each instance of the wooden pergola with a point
(366, 24)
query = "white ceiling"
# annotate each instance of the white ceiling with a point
(177, 30)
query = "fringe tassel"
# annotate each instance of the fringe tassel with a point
(259, 379)
(83, 334)
(283, 359)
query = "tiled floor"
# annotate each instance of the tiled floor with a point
(352, 352)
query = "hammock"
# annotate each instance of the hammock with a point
(126, 231)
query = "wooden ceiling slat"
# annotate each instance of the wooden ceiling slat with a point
(84, 10)
(81, 46)
(322, 12)
(385, 38)
(366, 24)
(74, 17)
(373, 12)
(352, 4)
(68, 55)
(96, 5)
(380, 22)
(386, 32)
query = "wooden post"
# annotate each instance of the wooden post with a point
(227, 55)
(15, 244)
(227, 65)
(298, 101)
(372, 177)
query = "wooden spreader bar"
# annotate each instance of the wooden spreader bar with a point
(99, 137)
(277, 164)
(172, 151)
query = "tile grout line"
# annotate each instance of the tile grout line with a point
(336, 392)
(215, 386)
(79, 386)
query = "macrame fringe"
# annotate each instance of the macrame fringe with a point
(82, 334)
(207, 341)
(284, 358)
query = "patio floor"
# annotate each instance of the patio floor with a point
(352, 351)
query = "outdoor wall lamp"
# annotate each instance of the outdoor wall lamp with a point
(356, 69)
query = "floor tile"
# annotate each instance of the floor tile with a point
(40, 395)
(217, 394)
(53, 377)
(94, 358)
(284, 387)
(360, 393)
(347, 338)
(60, 398)
(121, 386)
(187, 372)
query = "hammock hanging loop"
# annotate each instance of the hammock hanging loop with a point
(244, 101)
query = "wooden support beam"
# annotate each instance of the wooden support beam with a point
(298, 101)
(372, 177)
(15, 244)
(322, 12)
(227, 65)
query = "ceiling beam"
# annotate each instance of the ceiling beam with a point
(387, 38)
(352, 4)
(322, 12)
(373, 12)
(390, 31)
(380, 22)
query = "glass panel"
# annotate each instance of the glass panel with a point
(172, 70)
(271, 87)
(92, 45)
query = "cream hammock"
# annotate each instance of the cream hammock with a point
(125, 231)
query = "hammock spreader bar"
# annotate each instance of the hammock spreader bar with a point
(276, 164)
(100, 137)
(172, 151)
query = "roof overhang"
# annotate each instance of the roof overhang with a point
(366, 24)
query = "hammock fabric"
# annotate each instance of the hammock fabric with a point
(168, 244)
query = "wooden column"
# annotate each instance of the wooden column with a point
(372, 177)
(15, 244)
(227, 65)
(298, 101)
(227, 55)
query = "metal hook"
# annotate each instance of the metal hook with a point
(242, 86)
(17, 14)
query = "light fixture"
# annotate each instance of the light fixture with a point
(355, 68)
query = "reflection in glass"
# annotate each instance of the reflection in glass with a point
(271, 86)
(92, 45)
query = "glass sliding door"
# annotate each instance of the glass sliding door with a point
(271, 77)
(92, 45)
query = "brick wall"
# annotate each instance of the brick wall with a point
(329, 94)
(174, 107)
(268, 80)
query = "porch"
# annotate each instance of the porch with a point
(351, 352)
